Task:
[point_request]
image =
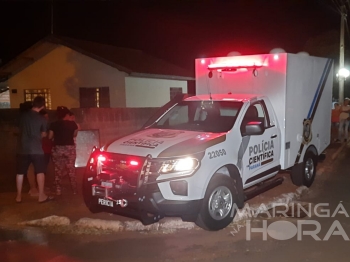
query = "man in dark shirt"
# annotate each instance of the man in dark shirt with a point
(32, 128)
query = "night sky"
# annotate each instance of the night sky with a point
(178, 31)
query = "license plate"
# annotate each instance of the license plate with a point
(105, 202)
(106, 184)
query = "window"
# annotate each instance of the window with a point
(205, 116)
(94, 97)
(4, 97)
(255, 113)
(30, 94)
(174, 91)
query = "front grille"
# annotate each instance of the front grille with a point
(117, 167)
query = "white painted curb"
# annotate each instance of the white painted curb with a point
(252, 211)
(166, 224)
(48, 221)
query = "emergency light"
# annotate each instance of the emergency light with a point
(235, 63)
(233, 66)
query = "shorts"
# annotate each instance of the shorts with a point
(24, 161)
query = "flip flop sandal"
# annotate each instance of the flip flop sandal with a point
(48, 199)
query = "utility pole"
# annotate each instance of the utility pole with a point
(341, 56)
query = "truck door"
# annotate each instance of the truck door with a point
(262, 140)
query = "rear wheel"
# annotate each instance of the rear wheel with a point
(309, 168)
(217, 210)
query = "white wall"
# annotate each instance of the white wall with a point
(150, 92)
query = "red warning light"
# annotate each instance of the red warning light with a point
(235, 63)
(134, 163)
(101, 158)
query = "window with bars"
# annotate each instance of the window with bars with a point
(94, 97)
(30, 94)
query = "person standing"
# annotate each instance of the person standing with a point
(335, 120)
(63, 131)
(32, 127)
(33, 189)
(344, 121)
(46, 141)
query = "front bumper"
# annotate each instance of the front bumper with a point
(113, 186)
(146, 205)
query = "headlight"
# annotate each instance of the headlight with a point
(182, 165)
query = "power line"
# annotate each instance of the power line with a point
(347, 28)
(348, 4)
(337, 6)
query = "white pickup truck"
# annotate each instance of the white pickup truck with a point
(252, 117)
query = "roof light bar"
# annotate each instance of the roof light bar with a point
(228, 67)
(237, 63)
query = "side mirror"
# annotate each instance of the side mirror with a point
(254, 128)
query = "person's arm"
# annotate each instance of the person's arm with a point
(51, 134)
(43, 134)
(76, 129)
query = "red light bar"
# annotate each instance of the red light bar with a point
(232, 67)
(101, 158)
(237, 62)
(134, 163)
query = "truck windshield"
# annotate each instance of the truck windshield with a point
(206, 116)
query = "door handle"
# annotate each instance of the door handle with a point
(273, 136)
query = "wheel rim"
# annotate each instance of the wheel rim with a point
(220, 203)
(309, 168)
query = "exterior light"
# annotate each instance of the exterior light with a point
(343, 72)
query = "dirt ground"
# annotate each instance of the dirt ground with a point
(195, 244)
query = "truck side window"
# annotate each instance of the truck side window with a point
(255, 113)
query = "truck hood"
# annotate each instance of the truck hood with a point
(164, 143)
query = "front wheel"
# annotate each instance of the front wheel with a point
(309, 168)
(219, 204)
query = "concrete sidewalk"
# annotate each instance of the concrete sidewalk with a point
(68, 212)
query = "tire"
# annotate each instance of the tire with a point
(309, 168)
(89, 200)
(220, 198)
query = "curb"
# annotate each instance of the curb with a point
(248, 212)
(168, 224)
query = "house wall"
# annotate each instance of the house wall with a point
(64, 70)
(150, 92)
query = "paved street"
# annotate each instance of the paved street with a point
(59, 243)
